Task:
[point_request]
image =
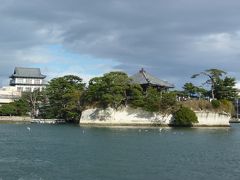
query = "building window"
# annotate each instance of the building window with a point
(29, 81)
(36, 88)
(37, 81)
(19, 80)
(28, 89)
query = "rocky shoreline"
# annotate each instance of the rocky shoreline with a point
(15, 119)
(128, 117)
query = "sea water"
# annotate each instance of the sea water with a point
(36, 151)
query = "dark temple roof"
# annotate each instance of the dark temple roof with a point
(142, 77)
(27, 73)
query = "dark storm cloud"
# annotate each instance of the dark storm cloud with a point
(172, 39)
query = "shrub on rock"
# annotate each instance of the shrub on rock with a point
(184, 117)
(215, 103)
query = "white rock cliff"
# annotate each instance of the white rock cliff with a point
(130, 116)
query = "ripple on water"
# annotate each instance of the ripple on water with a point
(65, 152)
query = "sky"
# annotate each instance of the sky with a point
(171, 39)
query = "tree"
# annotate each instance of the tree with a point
(22, 107)
(213, 76)
(225, 89)
(8, 110)
(64, 97)
(136, 96)
(152, 100)
(168, 102)
(34, 100)
(109, 90)
(17, 108)
(189, 89)
(202, 92)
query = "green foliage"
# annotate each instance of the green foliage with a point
(64, 95)
(115, 89)
(213, 76)
(17, 108)
(152, 100)
(109, 90)
(136, 96)
(184, 117)
(155, 101)
(8, 110)
(189, 89)
(221, 88)
(168, 102)
(34, 100)
(215, 103)
(202, 92)
(22, 107)
(224, 89)
(46, 112)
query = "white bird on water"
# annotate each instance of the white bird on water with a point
(28, 128)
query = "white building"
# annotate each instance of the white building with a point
(27, 79)
(9, 94)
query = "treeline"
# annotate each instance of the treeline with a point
(221, 86)
(66, 97)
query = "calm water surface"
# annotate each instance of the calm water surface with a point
(73, 152)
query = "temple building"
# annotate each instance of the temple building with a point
(27, 79)
(145, 80)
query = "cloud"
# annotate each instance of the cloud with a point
(170, 39)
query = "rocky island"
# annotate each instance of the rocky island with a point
(117, 99)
